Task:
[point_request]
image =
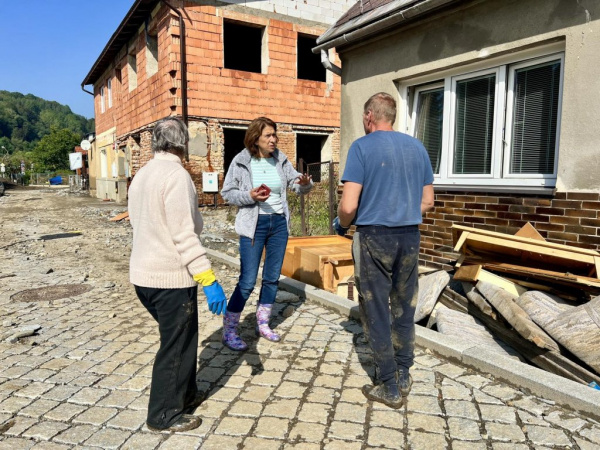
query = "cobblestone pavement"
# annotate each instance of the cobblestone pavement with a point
(82, 381)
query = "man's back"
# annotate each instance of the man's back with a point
(392, 168)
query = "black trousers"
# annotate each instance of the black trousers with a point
(386, 270)
(174, 371)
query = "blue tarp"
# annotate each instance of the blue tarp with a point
(55, 180)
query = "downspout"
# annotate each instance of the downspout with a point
(84, 90)
(183, 63)
(329, 65)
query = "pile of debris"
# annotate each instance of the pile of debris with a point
(521, 296)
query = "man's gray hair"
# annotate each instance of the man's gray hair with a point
(383, 107)
(170, 135)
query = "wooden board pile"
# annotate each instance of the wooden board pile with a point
(520, 296)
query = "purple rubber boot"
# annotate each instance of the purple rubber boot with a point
(263, 314)
(230, 336)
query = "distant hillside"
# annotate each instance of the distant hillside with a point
(25, 119)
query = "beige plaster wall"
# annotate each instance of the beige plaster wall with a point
(483, 30)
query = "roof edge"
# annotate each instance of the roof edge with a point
(375, 21)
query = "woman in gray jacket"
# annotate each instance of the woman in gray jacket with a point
(257, 182)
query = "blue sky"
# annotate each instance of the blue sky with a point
(47, 47)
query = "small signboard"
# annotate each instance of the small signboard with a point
(210, 182)
(75, 161)
(2, 168)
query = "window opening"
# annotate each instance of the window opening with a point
(309, 63)
(234, 143)
(242, 47)
(309, 148)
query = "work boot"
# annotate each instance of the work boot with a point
(230, 337)
(195, 402)
(386, 393)
(185, 422)
(405, 381)
(263, 314)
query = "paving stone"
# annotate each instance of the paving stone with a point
(497, 413)
(566, 421)
(321, 395)
(34, 390)
(234, 426)
(463, 429)
(128, 420)
(233, 381)
(423, 404)
(511, 446)
(257, 393)
(350, 395)
(342, 445)
(245, 409)
(476, 381)
(88, 396)
(426, 441)
(483, 398)
(12, 405)
(50, 446)
(546, 436)
(350, 413)
(346, 431)
(592, 434)
(450, 370)
(138, 383)
(64, 412)
(314, 412)
(108, 438)
(20, 425)
(96, 415)
(271, 427)
(211, 408)
(45, 430)
(423, 422)
(585, 445)
(288, 389)
(75, 434)
(144, 441)
(179, 441)
(531, 405)
(385, 437)
(16, 444)
(223, 394)
(504, 432)
(309, 432)
(462, 445)
(282, 408)
(220, 442)
(38, 408)
(501, 391)
(119, 399)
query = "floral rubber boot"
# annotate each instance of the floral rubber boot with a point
(230, 337)
(263, 314)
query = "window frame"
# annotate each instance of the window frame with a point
(505, 68)
(102, 104)
(109, 92)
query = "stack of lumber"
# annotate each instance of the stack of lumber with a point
(321, 261)
(522, 296)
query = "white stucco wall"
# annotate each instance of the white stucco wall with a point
(323, 11)
(482, 31)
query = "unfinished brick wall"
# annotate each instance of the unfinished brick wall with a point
(569, 218)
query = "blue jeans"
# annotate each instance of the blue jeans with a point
(272, 235)
(386, 270)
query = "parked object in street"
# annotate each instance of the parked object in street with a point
(262, 223)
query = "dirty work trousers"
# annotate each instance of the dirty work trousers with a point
(174, 371)
(386, 261)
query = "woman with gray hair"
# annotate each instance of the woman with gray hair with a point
(167, 263)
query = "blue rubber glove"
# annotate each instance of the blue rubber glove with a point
(338, 228)
(215, 298)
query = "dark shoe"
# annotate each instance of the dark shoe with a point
(381, 393)
(405, 381)
(185, 423)
(200, 397)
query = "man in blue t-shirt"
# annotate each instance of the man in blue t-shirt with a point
(388, 186)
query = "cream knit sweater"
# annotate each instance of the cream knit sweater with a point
(163, 210)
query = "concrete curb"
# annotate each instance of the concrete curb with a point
(539, 382)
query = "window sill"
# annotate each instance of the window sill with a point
(529, 190)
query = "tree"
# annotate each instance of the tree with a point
(52, 152)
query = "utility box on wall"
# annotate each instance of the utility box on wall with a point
(210, 182)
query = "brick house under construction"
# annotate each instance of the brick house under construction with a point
(217, 65)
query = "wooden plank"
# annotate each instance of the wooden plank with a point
(505, 304)
(307, 241)
(323, 266)
(501, 282)
(529, 231)
(118, 217)
(467, 273)
(478, 300)
(513, 238)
